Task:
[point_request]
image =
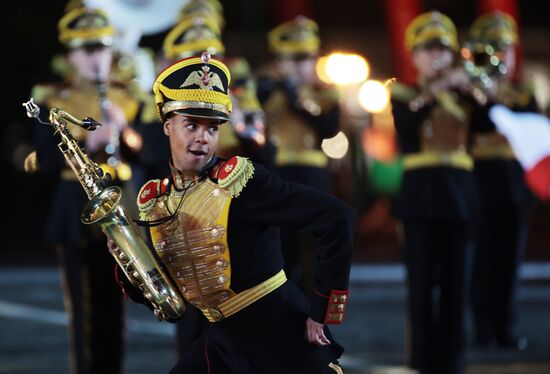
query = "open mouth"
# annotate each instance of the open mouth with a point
(197, 152)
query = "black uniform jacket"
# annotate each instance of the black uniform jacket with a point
(446, 193)
(501, 180)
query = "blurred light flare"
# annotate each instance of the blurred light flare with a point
(342, 68)
(337, 146)
(374, 96)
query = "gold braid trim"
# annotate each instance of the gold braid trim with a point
(196, 95)
(337, 368)
(84, 34)
(237, 179)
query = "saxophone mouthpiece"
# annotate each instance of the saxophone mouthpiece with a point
(33, 111)
(89, 124)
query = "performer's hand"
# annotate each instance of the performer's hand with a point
(315, 333)
(111, 245)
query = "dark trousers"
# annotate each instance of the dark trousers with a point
(500, 247)
(94, 306)
(189, 329)
(93, 299)
(265, 337)
(436, 260)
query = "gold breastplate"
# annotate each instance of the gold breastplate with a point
(295, 139)
(492, 145)
(193, 246)
(443, 132)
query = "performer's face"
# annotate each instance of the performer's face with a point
(92, 63)
(193, 140)
(431, 61)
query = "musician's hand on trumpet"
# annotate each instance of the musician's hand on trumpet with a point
(452, 80)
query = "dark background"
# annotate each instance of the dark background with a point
(30, 41)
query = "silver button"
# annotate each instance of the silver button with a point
(221, 279)
(217, 248)
(183, 288)
(162, 244)
(215, 232)
(216, 192)
(178, 274)
(221, 264)
(170, 258)
(161, 204)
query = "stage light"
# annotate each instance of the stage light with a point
(342, 68)
(373, 96)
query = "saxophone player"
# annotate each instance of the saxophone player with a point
(214, 224)
(437, 201)
(200, 29)
(506, 201)
(93, 302)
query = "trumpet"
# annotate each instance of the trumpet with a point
(441, 90)
(106, 210)
(482, 62)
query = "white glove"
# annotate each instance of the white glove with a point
(528, 133)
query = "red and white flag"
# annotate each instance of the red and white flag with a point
(529, 136)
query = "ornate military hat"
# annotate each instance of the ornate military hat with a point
(85, 26)
(210, 9)
(191, 36)
(299, 36)
(496, 28)
(431, 27)
(196, 87)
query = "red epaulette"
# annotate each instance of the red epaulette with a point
(233, 174)
(149, 193)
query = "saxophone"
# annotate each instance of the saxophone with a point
(105, 209)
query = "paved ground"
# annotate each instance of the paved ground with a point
(33, 338)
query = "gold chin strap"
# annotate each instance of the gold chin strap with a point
(337, 368)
